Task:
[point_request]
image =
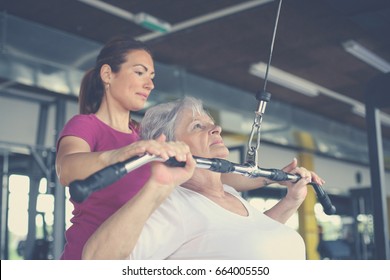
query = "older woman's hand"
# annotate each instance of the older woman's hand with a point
(165, 178)
(298, 190)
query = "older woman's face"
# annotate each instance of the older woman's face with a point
(201, 135)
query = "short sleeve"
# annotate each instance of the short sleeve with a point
(82, 126)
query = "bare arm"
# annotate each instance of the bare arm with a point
(296, 193)
(76, 161)
(286, 207)
(118, 235)
(242, 183)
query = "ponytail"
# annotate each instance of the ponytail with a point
(91, 92)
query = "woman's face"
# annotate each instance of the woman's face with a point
(201, 134)
(131, 86)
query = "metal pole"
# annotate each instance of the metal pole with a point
(4, 207)
(59, 199)
(376, 97)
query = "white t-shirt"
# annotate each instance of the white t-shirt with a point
(188, 225)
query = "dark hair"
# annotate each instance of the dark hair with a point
(114, 54)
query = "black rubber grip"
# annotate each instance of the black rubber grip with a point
(172, 162)
(324, 199)
(80, 189)
(215, 164)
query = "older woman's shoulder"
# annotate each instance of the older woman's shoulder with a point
(231, 190)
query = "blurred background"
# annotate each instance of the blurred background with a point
(329, 106)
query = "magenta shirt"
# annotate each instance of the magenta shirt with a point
(92, 212)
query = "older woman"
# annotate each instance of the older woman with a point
(202, 218)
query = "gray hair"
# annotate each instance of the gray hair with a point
(162, 118)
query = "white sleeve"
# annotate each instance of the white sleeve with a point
(162, 234)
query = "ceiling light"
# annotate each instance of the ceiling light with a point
(284, 79)
(360, 110)
(148, 21)
(152, 23)
(163, 28)
(111, 9)
(367, 56)
(311, 89)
